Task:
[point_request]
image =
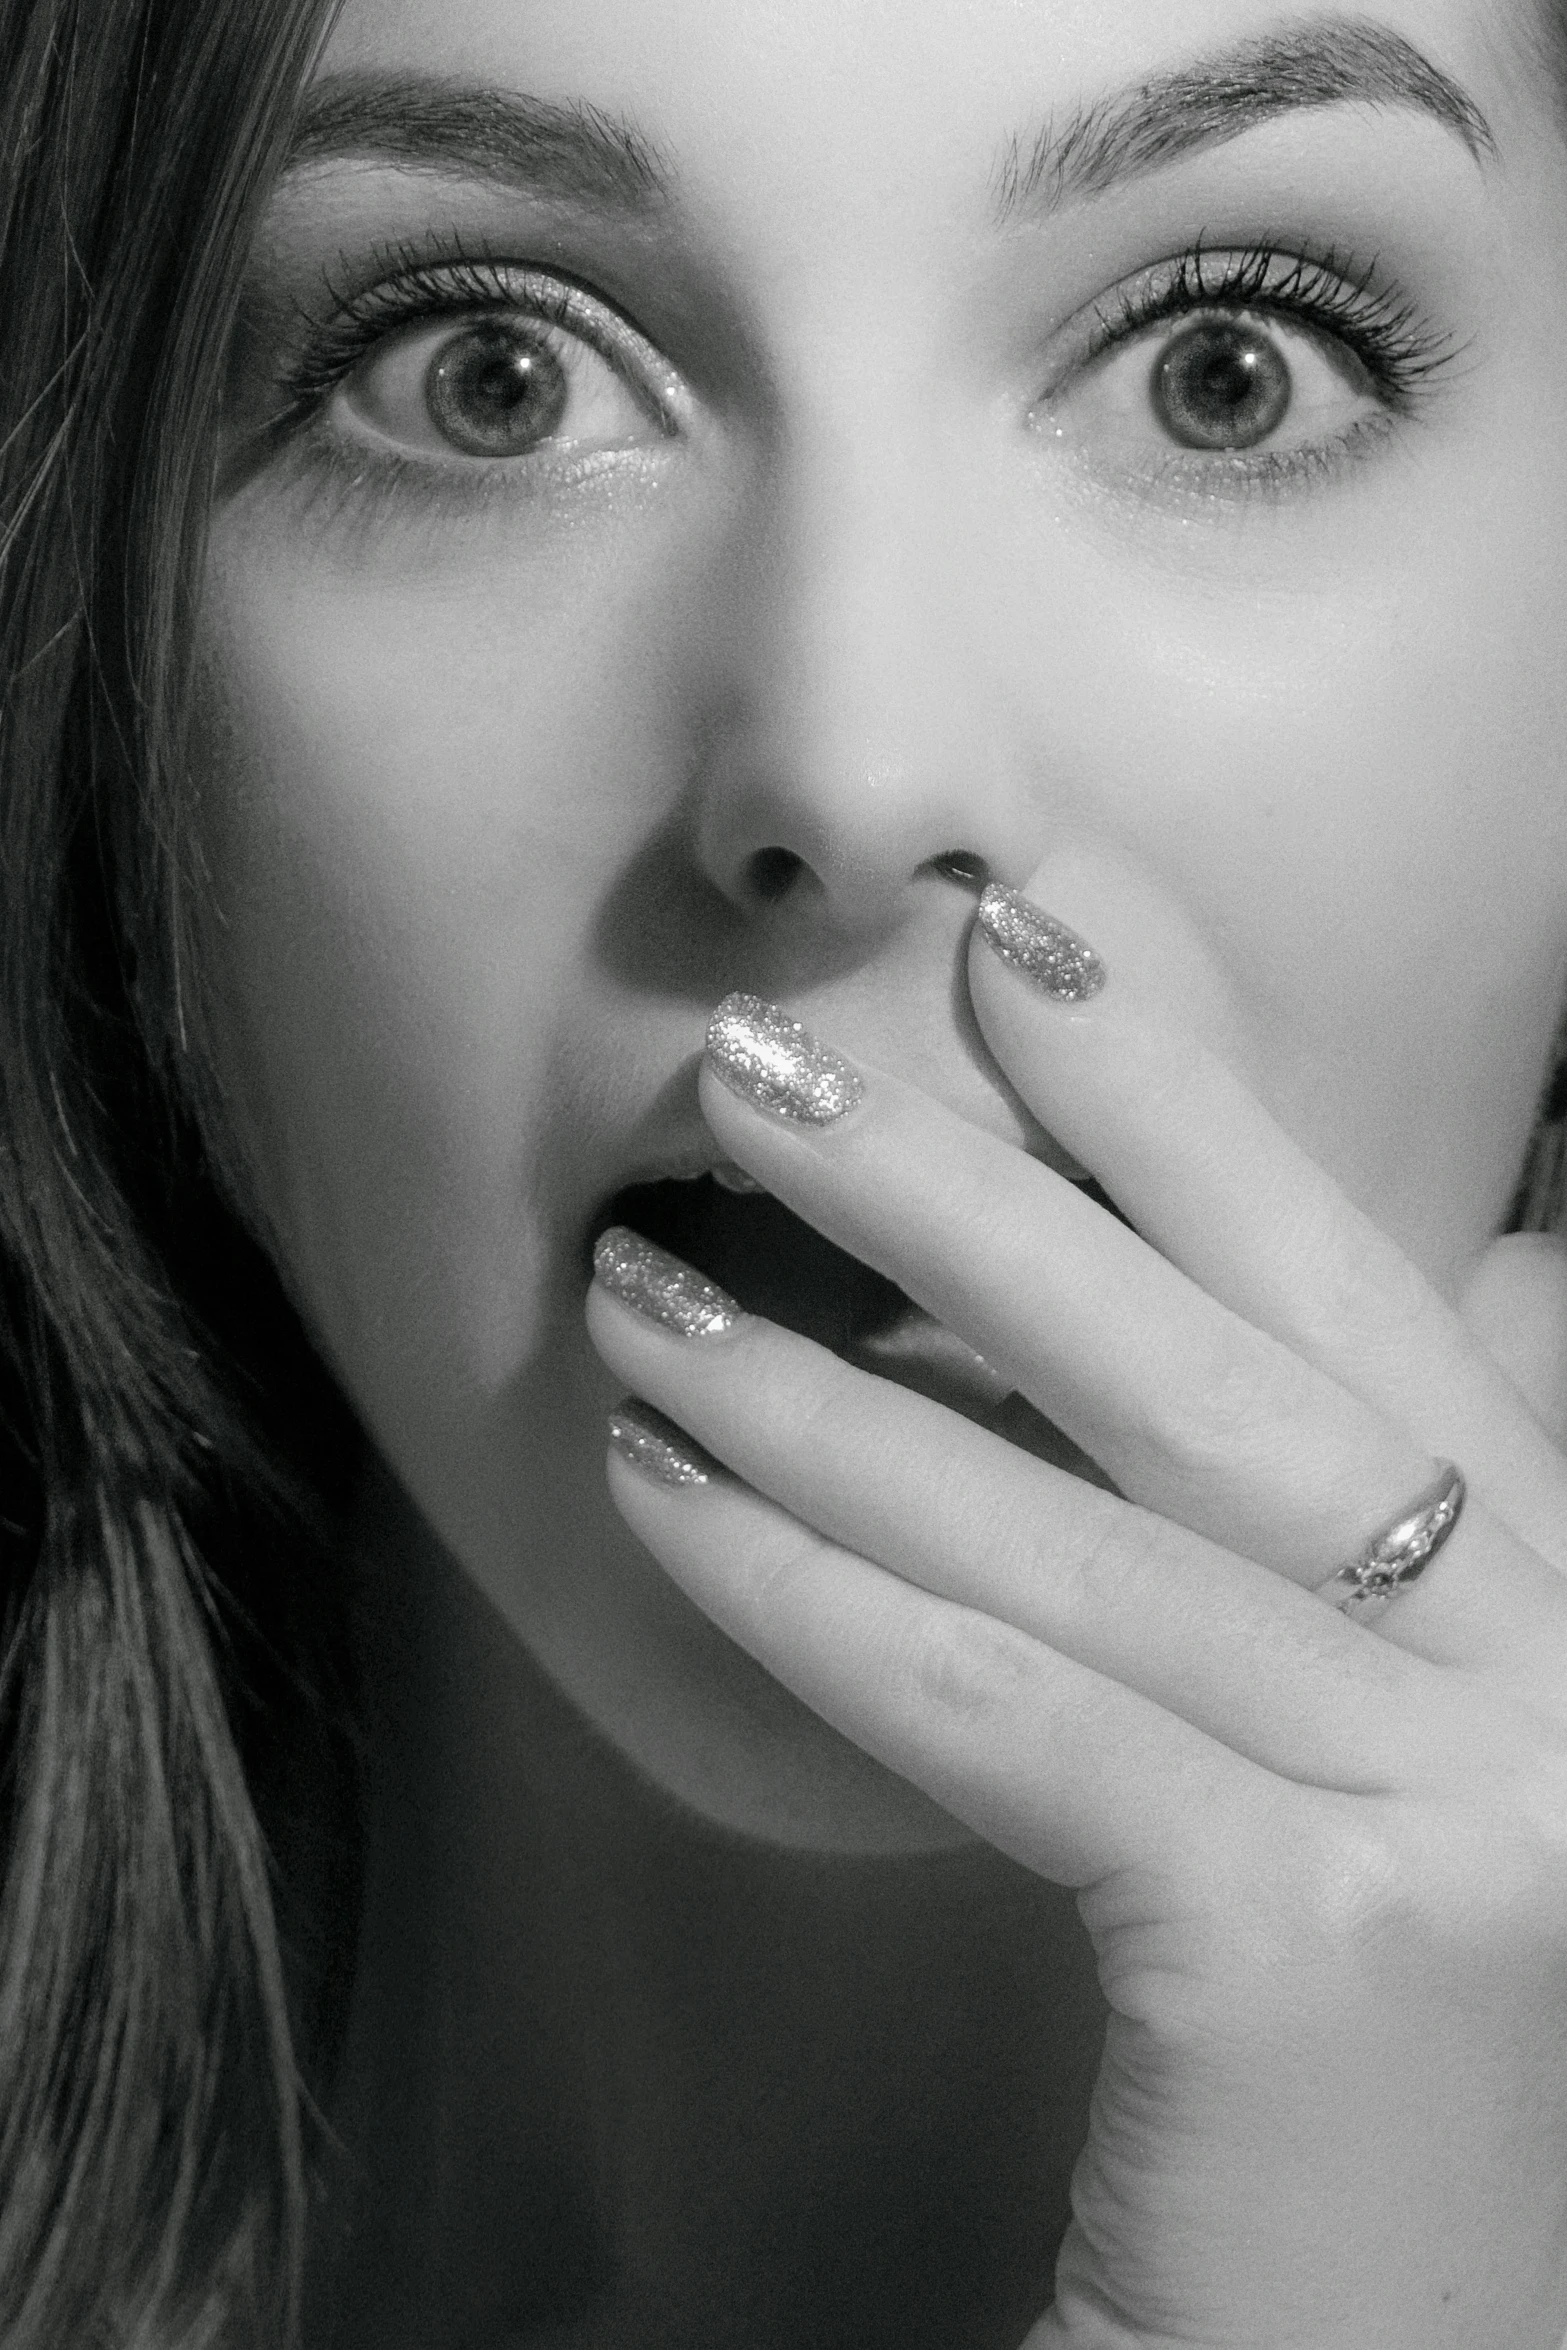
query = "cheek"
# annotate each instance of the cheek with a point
(1349, 769)
(419, 797)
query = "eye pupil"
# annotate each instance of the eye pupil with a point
(1221, 385)
(494, 392)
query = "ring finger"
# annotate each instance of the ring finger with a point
(1194, 1413)
(899, 1480)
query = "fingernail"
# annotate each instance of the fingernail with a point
(1033, 942)
(775, 1064)
(662, 1287)
(657, 1447)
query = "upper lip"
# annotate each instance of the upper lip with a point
(681, 1148)
(682, 1159)
(670, 1140)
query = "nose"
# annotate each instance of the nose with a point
(858, 737)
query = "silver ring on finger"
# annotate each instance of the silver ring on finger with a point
(1401, 1553)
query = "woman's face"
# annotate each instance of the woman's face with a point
(741, 453)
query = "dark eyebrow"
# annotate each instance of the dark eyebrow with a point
(575, 151)
(1329, 61)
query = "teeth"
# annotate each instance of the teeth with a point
(733, 1178)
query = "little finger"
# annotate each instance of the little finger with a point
(1057, 1765)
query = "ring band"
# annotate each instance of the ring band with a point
(1393, 1559)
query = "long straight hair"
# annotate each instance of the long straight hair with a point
(176, 1783)
(172, 1770)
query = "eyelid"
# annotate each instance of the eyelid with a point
(1161, 331)
(424, 292)
(1343, 312)
(1324, 294)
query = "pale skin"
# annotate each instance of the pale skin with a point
(895, 568)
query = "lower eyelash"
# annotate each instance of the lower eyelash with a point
(339, 481)
(1228, 478)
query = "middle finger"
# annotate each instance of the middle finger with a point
(1194, 1413)
(896, 1478)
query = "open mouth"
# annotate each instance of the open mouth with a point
(775, 1265)
(769, 1261)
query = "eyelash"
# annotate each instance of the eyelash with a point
(409, 290)
(1324, 293)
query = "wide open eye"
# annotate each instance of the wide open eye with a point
(499, 384)
(1224, 384)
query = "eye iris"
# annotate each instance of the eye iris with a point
(1221, 385)
(494, 392)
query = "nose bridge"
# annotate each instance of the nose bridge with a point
(864, 593)
(860, 722)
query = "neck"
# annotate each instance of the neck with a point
(619, 2079)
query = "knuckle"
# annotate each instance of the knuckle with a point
(1229, 1413)
(1527, 1845)
(1329, 1911)
(1356, 1885)
(1112, 1560)
(808, 1398)
(1361, 1289)
(969, 1670)
(1403, 1891)
(1543, 1792)
(785, 1569)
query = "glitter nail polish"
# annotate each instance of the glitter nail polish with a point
(1054, 958)
(657, 1447)
(776, 1064)
(662, 1287)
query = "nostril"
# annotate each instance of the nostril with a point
(772, 873)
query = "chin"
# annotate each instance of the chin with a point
(714, 1730)
(778, 1774)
